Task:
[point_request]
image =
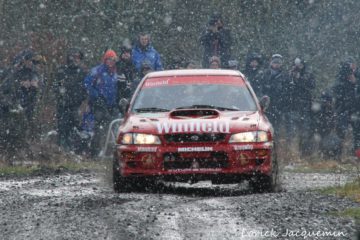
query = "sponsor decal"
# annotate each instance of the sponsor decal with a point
(243, 159)
(243, 147)
(146, 149)
(148, 160)
(195, 165)
(156, 83)
(268, 144)
(193, 126)
(195, 149)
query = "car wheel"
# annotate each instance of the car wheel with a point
(120, 183)
(267, 183)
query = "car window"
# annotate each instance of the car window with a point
(176, 96)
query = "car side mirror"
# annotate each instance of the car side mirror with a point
(264, 102)
(124, 105)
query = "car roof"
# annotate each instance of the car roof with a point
(194, 72)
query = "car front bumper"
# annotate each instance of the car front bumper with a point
(200, 159)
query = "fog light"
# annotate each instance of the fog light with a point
(128, 156)
(131, 164)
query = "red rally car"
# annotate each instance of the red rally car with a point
(192, 125)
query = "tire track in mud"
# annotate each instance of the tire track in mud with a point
(83, 206)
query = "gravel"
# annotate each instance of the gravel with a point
(83, 205)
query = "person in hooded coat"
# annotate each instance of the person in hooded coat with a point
(274, 83)
(144, 51)
(253, 71)
(346, 98)
(102, 88)
(216, 41)
(126, 73)
(324, 123)
(70, 93)
(300, 99)
(18, 99)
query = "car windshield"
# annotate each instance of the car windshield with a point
(168, 97)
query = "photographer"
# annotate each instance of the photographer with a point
(216, 41)
(301, 85)
(18, 98)
(70, 93)
(346, 100)
(126, 73)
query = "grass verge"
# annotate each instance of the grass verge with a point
(322, 167)
(23, 170)
(349, 190)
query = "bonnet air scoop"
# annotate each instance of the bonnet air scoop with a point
(194, 113)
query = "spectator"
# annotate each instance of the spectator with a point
(12, 118)
(177, 63)
(324, 125)
(101, 85)
(233, 64)
(215, 62)
(70, 93)
(29, 81)
(253, 71)
(18, 97)
(346, 97)
(273, 84)
(300, 98)
(126, 73)
(143, 50)
(216, 40)
(145, 69)
(192, 65)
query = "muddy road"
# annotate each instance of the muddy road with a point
(84, 206)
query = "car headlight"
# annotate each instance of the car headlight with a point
(256, 136)
(140, 138)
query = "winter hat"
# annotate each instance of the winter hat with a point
(75, 51)
(346, 68)
(146, 65)
(349, 60)
(297, 61)
(326, 96)
(214, 18)
(110, 54)
(233, 64)
(277, 59)
(215, 59)
(125, 49)
(26, 54)
(254, 56)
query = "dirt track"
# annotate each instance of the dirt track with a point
(83, 206)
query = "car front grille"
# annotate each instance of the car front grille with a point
(194, 137)
(174, 161)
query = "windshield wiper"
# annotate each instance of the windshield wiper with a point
(151, 109)
(208, 106)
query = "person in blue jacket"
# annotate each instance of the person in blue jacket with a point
(101, 85)
(144, 51)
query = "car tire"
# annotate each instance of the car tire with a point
(120, 183)
(261, 183)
